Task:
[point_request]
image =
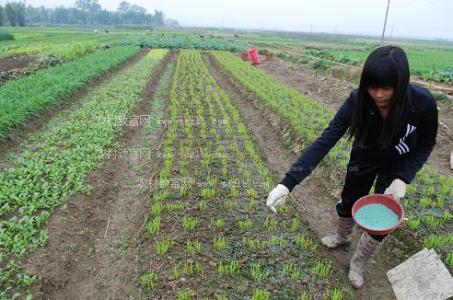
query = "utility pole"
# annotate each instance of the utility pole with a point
(385, 22)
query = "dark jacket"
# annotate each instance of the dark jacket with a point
(415, 144)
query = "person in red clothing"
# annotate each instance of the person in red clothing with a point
(394, 127)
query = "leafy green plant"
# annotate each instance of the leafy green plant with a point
(414, 223)
(193, 247)
(162, 246)
(332, 294)
(186, 294)
(156, 209)
(148, 280)
(277, 242)
(176, 206)
(294, 225)
(207, 193)
(257, 273)
(189, 223)
(219, 223)
(259, 294)
(220, 243)
(175, 271)
(449, 259)
(229, 204)
(202, 205)
(230, 268)
(254, 245)
(270, 224)
(153, 227)
(323, 269)
(245, 224)
(306, 243)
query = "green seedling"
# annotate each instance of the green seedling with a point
(234, 192)
(270, 224)
(189, 223)
(148, 281)
(257, 273)
(162, 246)
(176, 206)
(294, 225)
(175, 271)
(193, 247)
(323, 269)
(414, 223)
(306, 243)
(159, 197)
(449, 260)
(153, 226)
(207, 193)
(245, 224)
(229, 204)
(259, 294)
(254, 245)
(156, 209)
(202, 205)
(231, 268)
(425, 202)
(277, 242)
(218, 223)
(220, 243)
(332, 294)
(187, 294)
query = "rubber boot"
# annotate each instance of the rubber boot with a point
(366, 249)
(345, 228)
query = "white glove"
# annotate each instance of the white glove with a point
(277, 197)
(397, 189)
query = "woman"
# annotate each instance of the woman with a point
(394, 126)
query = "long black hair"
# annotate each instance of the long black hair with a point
(385, 67)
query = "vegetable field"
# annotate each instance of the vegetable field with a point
(139, 167)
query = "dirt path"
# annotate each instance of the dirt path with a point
(90, 252)
(17, 135)
(333, 92)
(314, 198)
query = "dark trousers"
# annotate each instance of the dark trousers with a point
(360, 175)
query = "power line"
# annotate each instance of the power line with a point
(385, 22)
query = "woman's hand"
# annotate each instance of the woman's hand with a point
(277, 197)
(397, 189)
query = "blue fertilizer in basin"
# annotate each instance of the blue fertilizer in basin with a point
(376, 217)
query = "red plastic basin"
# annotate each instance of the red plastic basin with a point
(386, 200)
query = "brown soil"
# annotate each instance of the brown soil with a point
(18, 134)
(90, 253)
(15, 62)
(18, 66)
(333, 92)
(313, 196)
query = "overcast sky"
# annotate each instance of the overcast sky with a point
(408, 18)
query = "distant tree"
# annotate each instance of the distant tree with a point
(2, 16)
(132, 14)
(90, 12)
(38, 14)
(15, 12)
(123, 7)
(158, 18)
(88, 5)
(62, 15)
